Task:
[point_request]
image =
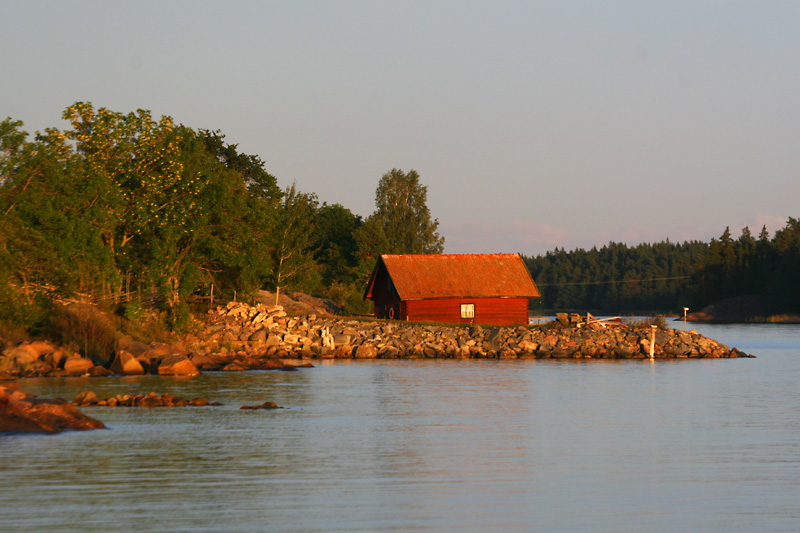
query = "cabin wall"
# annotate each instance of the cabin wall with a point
(385, 298)
(391, 309)
(488, 311)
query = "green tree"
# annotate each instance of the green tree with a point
(403, 216)
(260, 183)
(294, 263)
(244, 209)
(48, 201)
(336, 249)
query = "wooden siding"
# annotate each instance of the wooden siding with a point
(386, 300)
(488, 311)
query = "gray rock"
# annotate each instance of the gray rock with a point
(259, 337)
(365, 351)
(85, 398)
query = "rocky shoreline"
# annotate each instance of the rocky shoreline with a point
(241, 337)
(266, 331)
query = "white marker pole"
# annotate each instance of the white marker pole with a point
(653, 341)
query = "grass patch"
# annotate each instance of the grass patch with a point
(645, 322)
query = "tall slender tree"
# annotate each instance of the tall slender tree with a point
(403, 216)
(294, 247)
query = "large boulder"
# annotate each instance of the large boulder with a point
(159, 350)
(126, 364)
(259, 337)
(77, 366)
(19, 357)
(30, 358)
(365, 351)
(131, 346)
(208, 362)
(176, 364)
(85, 398)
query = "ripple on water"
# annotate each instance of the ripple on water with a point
(417, 445)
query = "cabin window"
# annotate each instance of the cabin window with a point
(467, 310)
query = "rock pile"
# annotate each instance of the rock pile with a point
(150, 399)
(259, 333)
(241, 337)
(45, 359)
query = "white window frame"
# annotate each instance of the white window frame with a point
(467, 310)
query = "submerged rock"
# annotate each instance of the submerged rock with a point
(151, 399)
(265, 405)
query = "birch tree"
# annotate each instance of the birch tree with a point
(294, 254)
(402, 214)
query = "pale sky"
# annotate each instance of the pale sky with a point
(534, 125)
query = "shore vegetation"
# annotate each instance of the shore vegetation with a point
(144, 218)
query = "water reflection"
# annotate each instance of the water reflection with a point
(432, 445)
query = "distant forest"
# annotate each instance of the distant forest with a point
(665, 277)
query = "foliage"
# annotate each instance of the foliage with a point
(121, 204)
(123, 208)
(403, 217)
(646, 322)
(335, 247)
(667, 277)
(294, 252)
(349, 296)
(86, 327)
(617, 278)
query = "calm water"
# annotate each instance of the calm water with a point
(432, 446)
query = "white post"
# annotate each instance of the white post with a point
(653, 341)
(685, 310)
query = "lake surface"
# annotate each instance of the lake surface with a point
(432, 445)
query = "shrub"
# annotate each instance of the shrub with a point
(86, 327)
(646, 322)
(133, 311)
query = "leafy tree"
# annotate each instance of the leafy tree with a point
(122, 198)
(260, 183)
(403, 216)
(372, 242)
(293, 252)
(48, 202)
(336, 249)
(244, 208)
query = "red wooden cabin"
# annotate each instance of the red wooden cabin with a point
(452, 288)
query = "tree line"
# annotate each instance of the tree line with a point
(123, 207)
(665, 276)
(129, 210)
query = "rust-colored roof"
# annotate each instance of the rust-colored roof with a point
(418, 277)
